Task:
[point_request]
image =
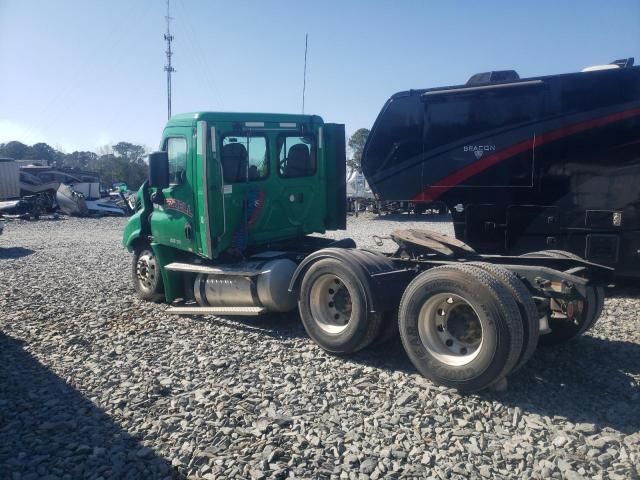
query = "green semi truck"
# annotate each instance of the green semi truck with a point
(225, 224)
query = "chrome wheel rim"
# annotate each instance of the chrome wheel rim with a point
(330, 303)
(450, 329)
(147, 271)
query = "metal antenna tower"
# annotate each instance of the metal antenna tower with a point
(304, 77)
(168, 68)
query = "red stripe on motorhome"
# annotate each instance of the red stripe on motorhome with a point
(434, 191)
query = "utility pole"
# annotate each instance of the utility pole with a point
(304, 76)
(168, 68)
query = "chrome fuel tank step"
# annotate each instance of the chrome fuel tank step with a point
(249, 311)
(208, 270)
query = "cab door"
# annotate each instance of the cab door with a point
(172, 222)
(244, 158)
(273, 187)
(302, 182)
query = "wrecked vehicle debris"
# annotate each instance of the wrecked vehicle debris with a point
(70, 202)
(28, 190)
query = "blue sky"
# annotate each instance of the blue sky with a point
(82, 74)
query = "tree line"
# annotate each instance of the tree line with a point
(122, 162)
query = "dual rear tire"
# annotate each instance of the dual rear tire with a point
(464, 326)
(461, 327)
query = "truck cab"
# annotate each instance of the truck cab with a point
(233, 182)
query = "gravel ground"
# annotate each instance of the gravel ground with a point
(96, 384)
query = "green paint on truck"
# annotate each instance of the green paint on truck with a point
(239, 181)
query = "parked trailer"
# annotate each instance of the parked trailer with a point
(522, 164)
(224, 224)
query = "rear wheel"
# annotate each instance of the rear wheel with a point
(333, 308)
(147, 278)
(584, 313)
(460, 327)
(526, 305)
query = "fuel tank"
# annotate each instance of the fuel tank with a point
(251, 284)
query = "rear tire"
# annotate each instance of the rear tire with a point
(333, 308)
(564, 330)
(460, 327)
(526, 305)
(146, 275)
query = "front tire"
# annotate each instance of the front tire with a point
(147, 278)
(333, 308)
(460, 327)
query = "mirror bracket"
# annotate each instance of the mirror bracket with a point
(157, 197)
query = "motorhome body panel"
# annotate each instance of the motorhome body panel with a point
(537, 163)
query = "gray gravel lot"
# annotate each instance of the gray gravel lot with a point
(97, 384)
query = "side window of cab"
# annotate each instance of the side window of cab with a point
(245, 158)
(177, 154)
(296, 156)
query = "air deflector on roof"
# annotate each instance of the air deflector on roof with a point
(486, 78)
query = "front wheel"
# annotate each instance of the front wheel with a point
(147, 278)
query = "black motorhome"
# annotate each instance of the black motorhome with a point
(523, 164)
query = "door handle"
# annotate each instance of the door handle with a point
(188, 231)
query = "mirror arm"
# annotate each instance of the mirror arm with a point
(157, 197)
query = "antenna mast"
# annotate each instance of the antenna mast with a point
(168, 68)
(304, 77)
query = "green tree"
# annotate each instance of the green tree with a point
(14, 149)
(133, 153)
(42, 151)
(356, 146)
(82, 160)
(122, 162)
(113, 169)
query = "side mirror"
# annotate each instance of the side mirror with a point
(158, 170)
